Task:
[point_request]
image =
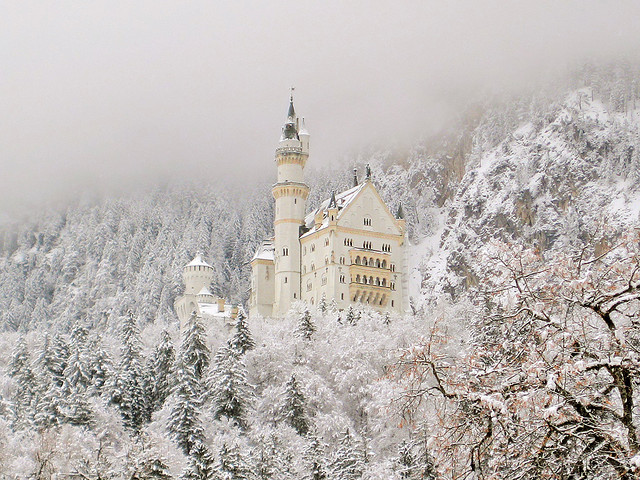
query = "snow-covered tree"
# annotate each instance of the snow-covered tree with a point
(293, 408)
(127, 391)
(229, 389)
(161, 366)
(185, 424)
(201, 463)
(231, 464)
(546, 388)
(194, 351)
(242, 340)
(315, 460)
(348, 460)
(305, 328)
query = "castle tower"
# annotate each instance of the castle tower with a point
(290, 193)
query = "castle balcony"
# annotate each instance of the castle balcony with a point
(370, 258)
(366, 275)
(376, 296)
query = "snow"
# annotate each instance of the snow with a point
(204, 291)
(198, 262)
(265, 251)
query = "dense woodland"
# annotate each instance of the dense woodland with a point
(518, 359)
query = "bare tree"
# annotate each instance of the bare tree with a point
(548, 388)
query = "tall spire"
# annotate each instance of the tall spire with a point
(355, 177)
(368, 170)
(290, 128)
(332, 201)
(291, 114)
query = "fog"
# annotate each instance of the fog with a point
(112, 96)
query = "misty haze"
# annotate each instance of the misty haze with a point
(320, 240)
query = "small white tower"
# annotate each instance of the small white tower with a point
(197, 276)
(290, 193)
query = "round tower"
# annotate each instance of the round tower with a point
(290, 193)
(197, 274)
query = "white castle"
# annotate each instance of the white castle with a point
(350, 250)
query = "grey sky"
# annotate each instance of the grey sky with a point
(108, 94)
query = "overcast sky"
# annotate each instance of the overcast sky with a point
(101, 94)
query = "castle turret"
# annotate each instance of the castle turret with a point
(290, 193)
(197, 274)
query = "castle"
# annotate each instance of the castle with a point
(350, 250)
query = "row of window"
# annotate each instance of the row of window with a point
(367, 221)
(348, 242)
(377, 281)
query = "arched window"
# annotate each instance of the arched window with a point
(364, 261)
(384, 282)
(377, 281)
(324, 280)
(367, 221)
(357, 278)
(309, 286)
(378, 263)
(384, 264)
(342, 260)
(370, 280)
(358, 260)
(285, 251)
(313, 266)
(326, 242)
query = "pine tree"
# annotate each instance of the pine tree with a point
(161, 365)
(314, 459)
(407, 462)
(128, 391)
(293, 410)
(306, 328)
(348, 462)
(184, 422)
(322, 304)
(231, 465)
(229, 388)
(74, 406)
(100, 368)
(194, 351)
(200, 465)
(153, 469)
(20, 370)
(351, 318)
(242, 340)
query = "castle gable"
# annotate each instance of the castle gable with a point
(367, 211)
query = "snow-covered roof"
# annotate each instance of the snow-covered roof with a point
(212, 310)
(198, 262)
(343, 199)
(205, 291)
(264, 251)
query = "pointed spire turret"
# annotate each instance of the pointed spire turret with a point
(368, 171)
(332, 202)
(355, 177)
(400, 213)
(290, 128)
